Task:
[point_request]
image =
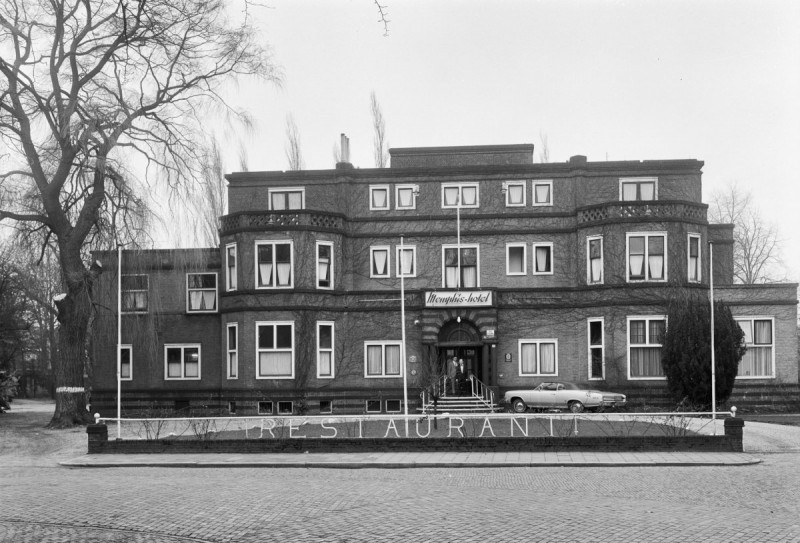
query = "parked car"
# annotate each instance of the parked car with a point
(561, 395)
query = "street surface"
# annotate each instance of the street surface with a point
(44, 502)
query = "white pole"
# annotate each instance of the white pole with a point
(458, 238)
(119, 340)
(713, 358)
(403, 329)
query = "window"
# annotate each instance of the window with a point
(379, 197)
(379, 261)
(758, 361)
(382, 359)
(233, 350)
(516, 259)
(459, 195)
(324, 264)
(638, 189)
(274, 264)
(126, 362)
(286, 198)
(325, 407)
(596, 348)
(647, 257)
(393, 406)
(693, 257)
(264, 408)
(230, 266)
(538, 357)
(274, 350)
(644, 347)
(201, 292)
(231, 408)
(460, 269)
(515, 193)
(325, 350)
(405, 196)
(285, 408)
(594, 260)
(182, 361)
(406, 261)
(373, 406)
(134, 293)
(542, 259)
(542, 193)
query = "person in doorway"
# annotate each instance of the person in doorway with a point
(462, 376)
(452, 373)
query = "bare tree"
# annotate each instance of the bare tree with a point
(210, 199)
(379, 133)
(544, 149)
(86, 87)
(294, 152)
(756, 251)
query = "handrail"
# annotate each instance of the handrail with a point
(483, 392)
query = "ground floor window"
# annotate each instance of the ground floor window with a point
(325, 407)
(182, 361)
(596, 348)
(264, 408)
(538, 357)
(126, 362)
(275, 350)
(373, 406)
(285, 408)
(759, 338)
(382, 359)
(645, 336)
(393, 406)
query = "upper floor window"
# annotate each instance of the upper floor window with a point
(758, 361)
(638, 189)
(405, 196)
(230, 267)
(459, 195)
(647, 257)
(596, 348)
(325, 350)
(542, 258)
(201, 292)
(274, 350)
(324, 264)
(126, 362)
(538, 357)
(134, 293)
(182, 361)
(515, 193)
(542, 193)
(406, 261)
(594, 260)
(645, 337)
(286, 198)
(382, 359)
(379, 197)
(516, 259)
(233, 350)
(693, 257)
(379, 261)
(460, 269)
(274, 264)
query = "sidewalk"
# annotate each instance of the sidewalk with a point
(396, 460)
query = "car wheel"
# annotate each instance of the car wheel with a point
(576, 407)
(518, 406)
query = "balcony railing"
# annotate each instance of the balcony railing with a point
(637, 210)
(260, 220)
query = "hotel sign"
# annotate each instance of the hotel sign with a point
(459, 298)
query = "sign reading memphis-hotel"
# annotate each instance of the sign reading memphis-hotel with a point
(458, 298)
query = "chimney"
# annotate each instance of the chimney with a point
(344, 147)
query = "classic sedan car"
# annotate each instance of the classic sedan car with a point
(561, 395)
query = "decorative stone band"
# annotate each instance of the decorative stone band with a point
(70, 390)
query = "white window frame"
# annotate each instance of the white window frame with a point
(146, 294)
(216, 293)
(541, 182)
(638, 181)
(536, 245)
(538, 343)
(282, 190)
(183, 347)
(328, 244)
(477, 248)
(231, 278)
(274, 242)
(126, 347)
(269, 411)
(274, 324)
(752, 320)
(383, 374)
(331, 350)
(388, 189)
(368, 410)
(374, 249)
(461, 187)
(414, 191)
(506, 189)
(589, 280)
(601, 346)
(648, 343)
(689, 238)
(647, 236)
(516, 245)
(232, 351)
(399, 406)
(284, 411)
(326, 411)
(398, 267)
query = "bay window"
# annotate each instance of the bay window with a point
(596, 338)
(594, 262)
(325, 350)
(233, 350)
(230, 267)
(460, 268)
(538, 357)
(324, 264)
(274, 350)
(693, 257)
(645, 336)
(647, 257)
(274, 264)
(758, 360)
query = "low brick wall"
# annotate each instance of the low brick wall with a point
(731, 441)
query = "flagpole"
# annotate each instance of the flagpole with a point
(458, 238)
(713, 354)
(119, 339)
(403, 329)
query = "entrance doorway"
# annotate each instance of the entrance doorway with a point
(460, 339)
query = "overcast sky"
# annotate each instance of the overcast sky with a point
(717, 81)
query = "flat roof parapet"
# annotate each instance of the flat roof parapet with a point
(470, 155)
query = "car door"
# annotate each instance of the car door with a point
(546, 396)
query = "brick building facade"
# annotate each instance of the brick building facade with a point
(528, 272)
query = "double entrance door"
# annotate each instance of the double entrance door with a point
(470, 354)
